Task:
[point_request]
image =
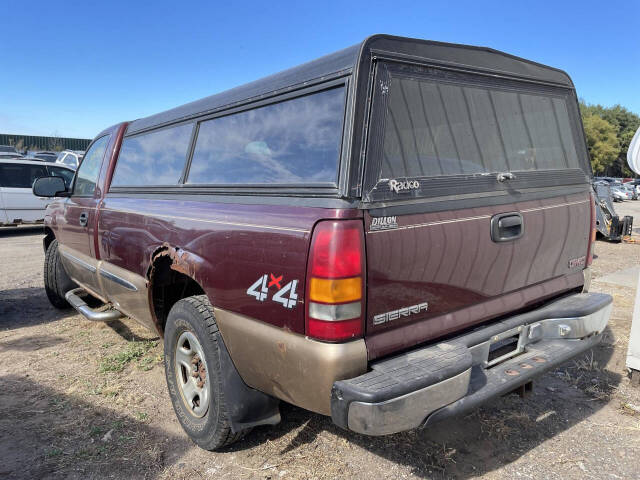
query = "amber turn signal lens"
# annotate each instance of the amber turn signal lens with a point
(342, 290)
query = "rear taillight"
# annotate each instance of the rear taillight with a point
(335, 281)
(592, 230)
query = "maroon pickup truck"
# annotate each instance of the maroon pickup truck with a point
(389, 235)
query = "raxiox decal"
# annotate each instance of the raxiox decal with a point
(398, 187)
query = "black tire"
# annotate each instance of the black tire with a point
(56, 280)
(195, 315)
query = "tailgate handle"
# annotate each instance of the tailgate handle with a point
(506, 227)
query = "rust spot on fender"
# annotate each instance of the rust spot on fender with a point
(180, 261)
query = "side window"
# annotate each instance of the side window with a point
(70, 160)
(20, 176)
(65, 173)
(154, 158)
(87, 174)
(36, 172)
(296, 141)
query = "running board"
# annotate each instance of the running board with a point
(84, 309)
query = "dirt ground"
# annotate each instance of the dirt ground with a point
(88, 400)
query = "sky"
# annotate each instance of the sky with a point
(71, 69)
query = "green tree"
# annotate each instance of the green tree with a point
(602, 141)
(625, 124)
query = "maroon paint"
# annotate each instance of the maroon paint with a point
(463, 274)
(455, 266)
(413, 333)
(228, 257)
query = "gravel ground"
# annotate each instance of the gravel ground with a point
(88, 400)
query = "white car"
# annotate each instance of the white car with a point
(619, 195)
(18, 204)
(70, 158)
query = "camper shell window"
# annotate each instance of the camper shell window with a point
(293, 142)
(450, 127)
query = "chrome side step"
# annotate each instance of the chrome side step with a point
(84, 309)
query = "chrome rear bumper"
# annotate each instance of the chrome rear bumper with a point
(429, 384)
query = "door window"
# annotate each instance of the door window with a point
(15, 175)
(65, 173)
(89, 169)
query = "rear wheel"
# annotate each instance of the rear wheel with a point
(56, 280)
(194, 377)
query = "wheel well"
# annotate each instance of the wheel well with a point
(48, 238)
(167, 286)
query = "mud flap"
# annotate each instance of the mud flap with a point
(247, 407)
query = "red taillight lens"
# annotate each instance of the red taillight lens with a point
(336, 251)
(335, 281)
(592, 230)
(334, 331)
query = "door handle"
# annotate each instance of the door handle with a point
(506, 227)
(83, 219)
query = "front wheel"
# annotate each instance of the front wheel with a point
(56, 280)
(194, 377)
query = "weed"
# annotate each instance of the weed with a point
(58, 403)
(588, 363)
(96, 390)
(142, 416)
(118, 361)
(54, 452)
(146, 363)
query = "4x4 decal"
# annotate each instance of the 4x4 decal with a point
(260, 290)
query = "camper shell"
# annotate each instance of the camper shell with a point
(355, 68)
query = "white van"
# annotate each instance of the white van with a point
(18, 204)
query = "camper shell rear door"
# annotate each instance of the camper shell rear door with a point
(476, 199)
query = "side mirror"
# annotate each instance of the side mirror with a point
(49, 187)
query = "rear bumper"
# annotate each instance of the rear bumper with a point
(435, 382)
